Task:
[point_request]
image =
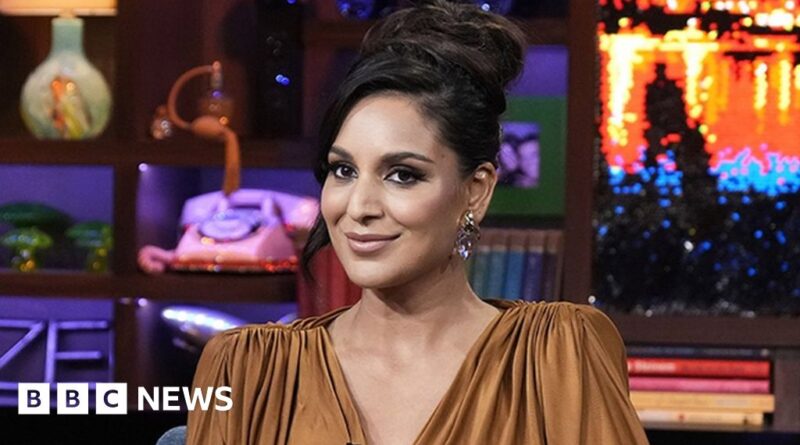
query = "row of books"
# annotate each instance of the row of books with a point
(701, 386)
(518, 264)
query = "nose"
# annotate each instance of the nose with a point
(364, 202)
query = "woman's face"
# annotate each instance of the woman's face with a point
(394, 197)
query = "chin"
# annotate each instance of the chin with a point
(372, 275)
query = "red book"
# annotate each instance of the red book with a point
(697, 367)
(681, 384)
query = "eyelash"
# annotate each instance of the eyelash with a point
(416, 176)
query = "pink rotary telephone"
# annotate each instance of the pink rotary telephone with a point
(247, 231)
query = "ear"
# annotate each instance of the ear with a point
(480, 189)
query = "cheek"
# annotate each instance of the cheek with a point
(333, 203)
(433, 215)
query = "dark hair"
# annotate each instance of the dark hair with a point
(454, 61)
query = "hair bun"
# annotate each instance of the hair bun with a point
(487, 46)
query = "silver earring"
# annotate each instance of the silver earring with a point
(468, 234)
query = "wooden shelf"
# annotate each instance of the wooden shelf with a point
(58, 284)
(347, 34)
(217, 287)
(299, 154)
(709, 330)
(170, 286)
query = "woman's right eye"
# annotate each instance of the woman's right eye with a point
(342, 171)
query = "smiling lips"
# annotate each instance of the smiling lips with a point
(368, 243)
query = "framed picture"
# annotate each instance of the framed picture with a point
(532, 158)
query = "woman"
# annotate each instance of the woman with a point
(408, 169)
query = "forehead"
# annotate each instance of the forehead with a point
(385, 123)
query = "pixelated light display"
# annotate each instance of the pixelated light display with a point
(699, 159)
(741, 89)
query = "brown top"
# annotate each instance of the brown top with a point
(540, 373)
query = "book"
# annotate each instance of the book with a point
(552, 265)
(515, 265)
(698, 367)
(683, 384)
(696, 352)
(338, 283)
(480, 269)
(534, 253)
(749, 403)
(498, 254)
(700, 417)
(312, 296)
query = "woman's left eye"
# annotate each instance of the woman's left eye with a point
(403, 176)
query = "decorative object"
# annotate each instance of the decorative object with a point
(543, 120)
(161, 127)
(66, 97)
(96, 236)
(30, 214)
(210, 126)
(25, 242)
(468, 234)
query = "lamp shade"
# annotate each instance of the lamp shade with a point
(54, 7)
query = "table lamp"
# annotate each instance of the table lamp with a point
(65, 97)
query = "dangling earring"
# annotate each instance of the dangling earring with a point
(468, 234)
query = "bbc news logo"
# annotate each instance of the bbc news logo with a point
(112, 398)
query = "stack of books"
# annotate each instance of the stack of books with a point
(679, 385)
(518, 264)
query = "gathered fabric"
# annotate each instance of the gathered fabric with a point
(540, 374)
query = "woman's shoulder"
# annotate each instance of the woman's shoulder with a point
(564, 322)
(271, 334)
(554, 312)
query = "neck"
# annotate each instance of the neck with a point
(418, 313)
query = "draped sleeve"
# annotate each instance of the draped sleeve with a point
(583, 380)
(282, 389)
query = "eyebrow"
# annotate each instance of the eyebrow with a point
(389, 158)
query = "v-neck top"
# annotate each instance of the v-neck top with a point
(539, 374)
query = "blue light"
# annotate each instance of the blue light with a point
(751, 272)
(758, 234)
(735, 216)
(619, 210)
(291, 2)
(602, 231)
(784, 266)
(780, 237)
(666, 224)
(780, 205)
(717, 267)
(722, 200)
(486, 7)
(746, 199)
(664, 202)
(283, 80)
